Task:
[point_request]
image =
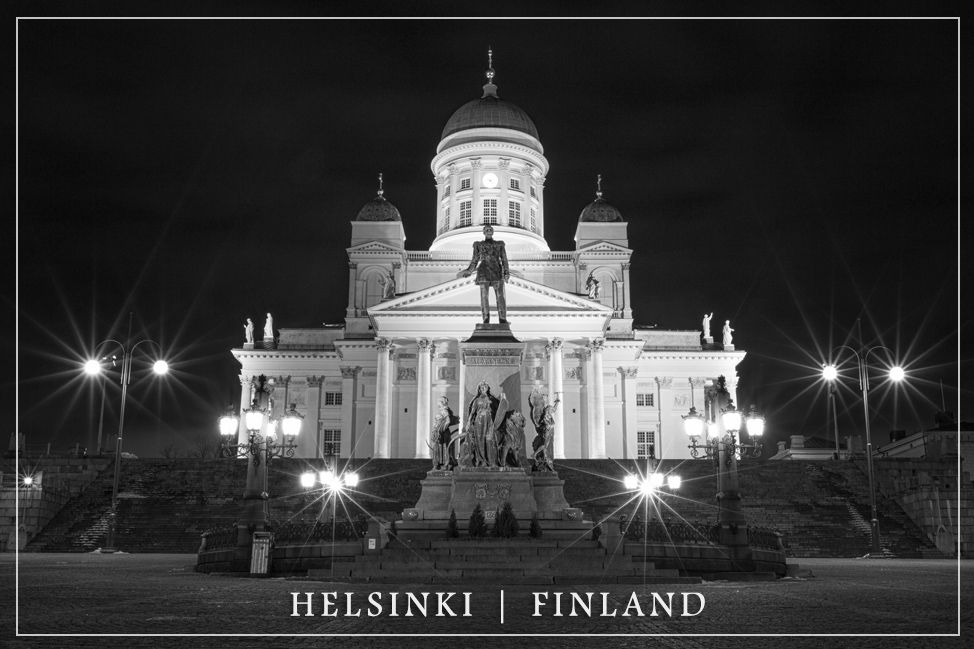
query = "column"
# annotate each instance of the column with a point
(696, 393)
(349, 375)
(423, 397)
(352, 268)
(383, 438)
(558, 444)
(477, 214)
(399, 276)
(557, 376)
(359, 297)
(540, 188)
(308, 438)
(629, 425)
(504, 182)
(528, 200)
(587, 400)
(581, 276)
(664, 393)
(626, 292)
(597, 438)
(246, 398)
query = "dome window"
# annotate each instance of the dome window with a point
(514, 214)
(490, 211)
(465, 184)
(515, 184)
(465, 213)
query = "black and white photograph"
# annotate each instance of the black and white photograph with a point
(378, 331)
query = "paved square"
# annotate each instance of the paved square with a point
(159, 594)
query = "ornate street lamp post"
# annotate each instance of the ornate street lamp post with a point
(94, 367)
(830, 373)
(260, 448)
(723, 422)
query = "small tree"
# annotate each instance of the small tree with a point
(392, 532)
(452, 531)
(478, 526)
(535, 531)
(495, 529)
(507, 521)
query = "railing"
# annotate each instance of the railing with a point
(655, 531)
(218, 538)
(764, 537)
(298, 532)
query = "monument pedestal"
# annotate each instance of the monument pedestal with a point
(708, 340)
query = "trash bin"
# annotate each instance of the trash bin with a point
(260, 555)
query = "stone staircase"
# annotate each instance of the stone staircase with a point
(165, 505)
(500, 561)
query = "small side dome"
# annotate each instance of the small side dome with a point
(379, 209)
(600, 210)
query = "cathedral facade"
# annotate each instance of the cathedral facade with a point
(369, 388)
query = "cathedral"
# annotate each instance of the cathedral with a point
(369, 388)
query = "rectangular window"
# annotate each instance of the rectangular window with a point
(446, 191)
(465, 183)
(490, 211)
(446, 221)
(333, 398)
(533, 195)
(645, 446)
(465, 212)
(514, 214)
(534, 223)
(515, 184)
(329, 441)
(645, 400)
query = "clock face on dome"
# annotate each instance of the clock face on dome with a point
(490, 180)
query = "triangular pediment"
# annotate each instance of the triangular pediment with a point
(532, 309)
(604, 246)
(373, 247)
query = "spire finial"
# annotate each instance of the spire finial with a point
(490, 65)
(598, 194)
(380, 183)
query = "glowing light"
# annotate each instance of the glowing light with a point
(693, 424)
(731, 418)
(829, 373)
(673, 482)
(351, 479)
(254, 418)
(656, 480)
(28, 480)
(896, 373)
(631, 482)
(307, 480)
(325, 477)
(160, 367)
(647, 487)
(292, 421)
(755, 423)
(229, 424)
(93, 367)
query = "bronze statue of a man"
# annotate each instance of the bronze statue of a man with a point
(490, 262)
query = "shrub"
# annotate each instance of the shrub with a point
(495, 530)
(597, 531)
(478, 526)
(507, 522)
(452, 531)
(535, 531)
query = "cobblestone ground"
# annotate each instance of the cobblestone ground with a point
(159, 594)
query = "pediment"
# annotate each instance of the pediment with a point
(452, 309)
(604, 247)
(373, 247)
(464, 294)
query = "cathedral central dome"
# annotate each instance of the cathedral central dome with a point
(489, 111)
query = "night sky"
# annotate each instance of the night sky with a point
(791, 176)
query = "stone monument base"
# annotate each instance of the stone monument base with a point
(538, 495)
(708, 340)
(492, 333)
(728, 348)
